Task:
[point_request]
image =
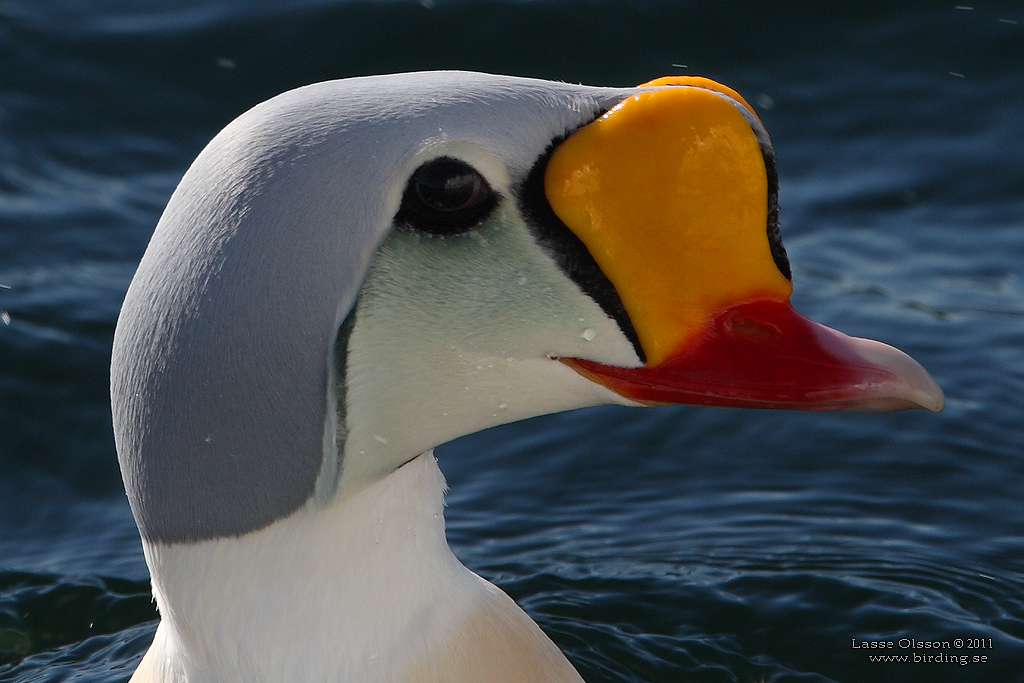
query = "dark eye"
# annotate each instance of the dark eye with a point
(446, 196)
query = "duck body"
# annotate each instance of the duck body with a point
(365, 590)
(357, 271)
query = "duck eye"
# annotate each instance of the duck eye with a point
(448, 185)
(446, 196)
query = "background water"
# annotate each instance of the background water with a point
(660, 545)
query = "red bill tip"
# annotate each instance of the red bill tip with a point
(763, 354)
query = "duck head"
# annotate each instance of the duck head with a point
(357, 271)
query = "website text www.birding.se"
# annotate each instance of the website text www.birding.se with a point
(957, 652)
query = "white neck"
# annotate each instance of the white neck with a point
(365, 589)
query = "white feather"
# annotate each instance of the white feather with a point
(363, 590)
(453, 335)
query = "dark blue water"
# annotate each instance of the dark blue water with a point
(653, 545)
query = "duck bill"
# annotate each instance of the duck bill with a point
(674, 194)
(763, 354)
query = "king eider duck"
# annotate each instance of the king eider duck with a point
(357, 271)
